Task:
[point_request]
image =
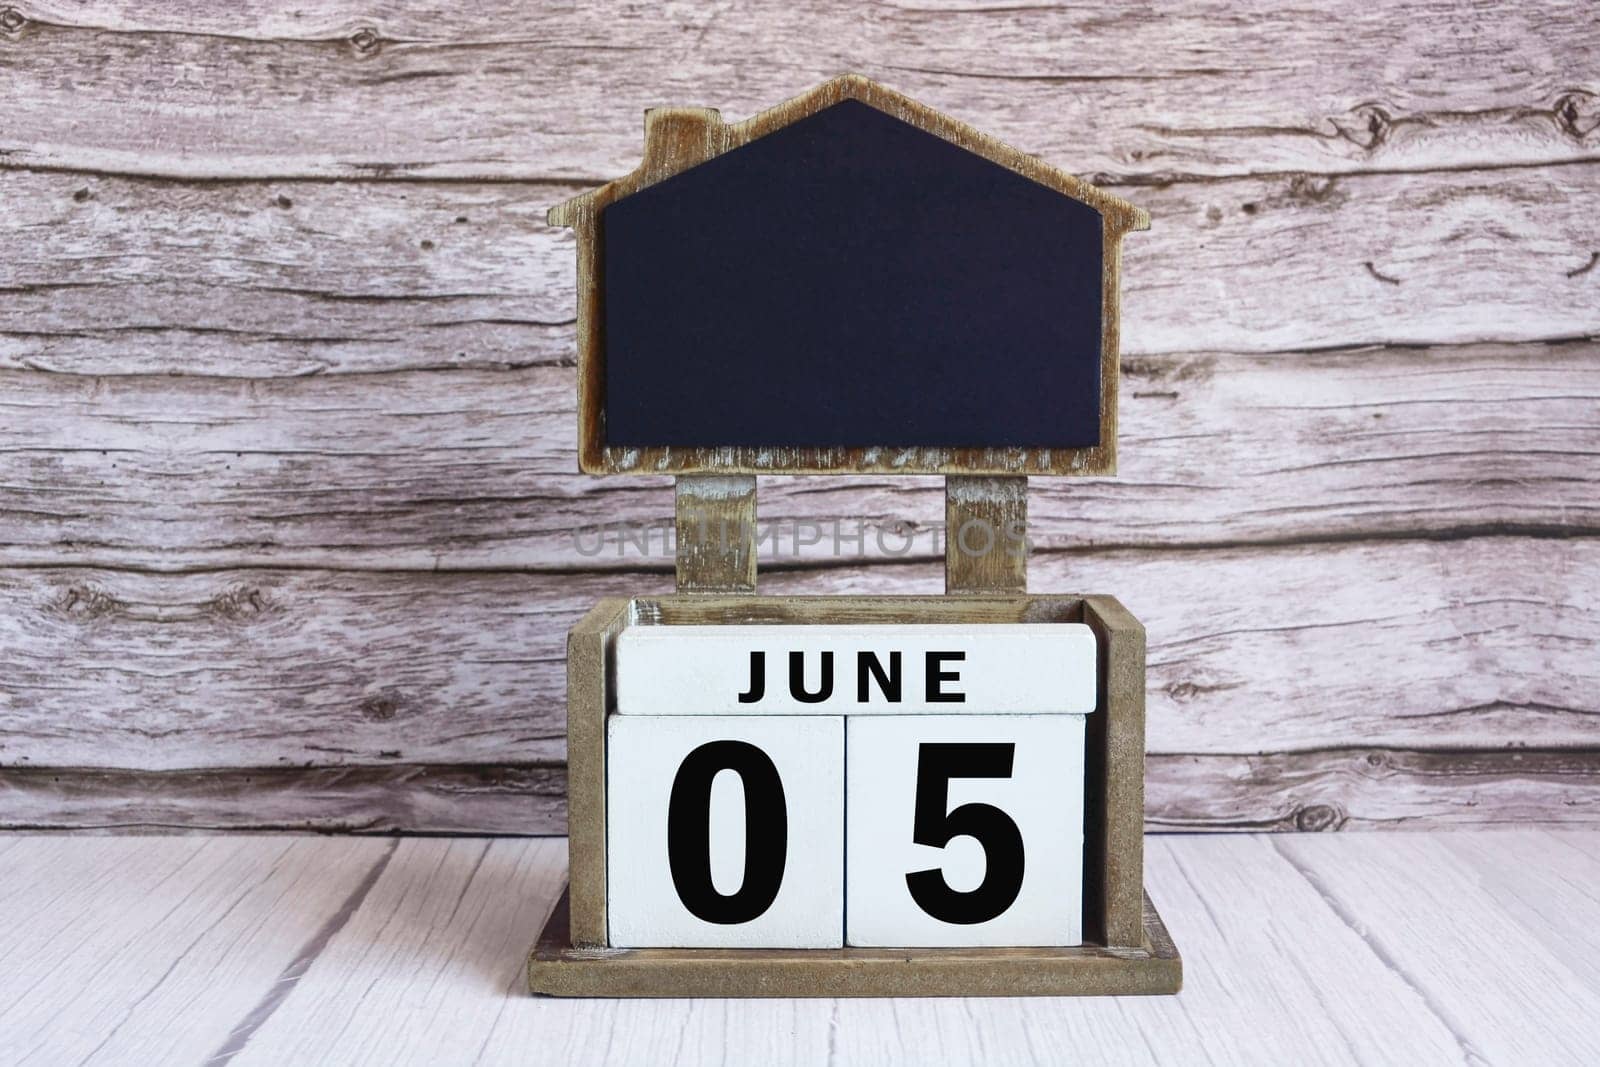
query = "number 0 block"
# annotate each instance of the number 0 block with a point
(725, 831)
(965, 830)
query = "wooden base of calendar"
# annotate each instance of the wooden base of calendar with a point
(557, 969)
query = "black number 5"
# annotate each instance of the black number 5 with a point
(985, 823)
(766, 832)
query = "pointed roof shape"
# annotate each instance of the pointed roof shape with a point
(678, 138)
(847, 282)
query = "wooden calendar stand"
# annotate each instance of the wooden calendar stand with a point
(1126, 950)
(624, 430)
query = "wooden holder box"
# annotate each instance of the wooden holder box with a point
(1126, 948)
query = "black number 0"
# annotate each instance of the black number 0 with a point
(766, 832)
(987, 824)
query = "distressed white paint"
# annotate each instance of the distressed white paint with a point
(1398, 948)
(1035, 668)
(341, 389)
(158, 950)
(1511, 986)
(474, 468)
(643, 757)
(503, 91)
(436, 702)
(1043, 798)
(373, 276)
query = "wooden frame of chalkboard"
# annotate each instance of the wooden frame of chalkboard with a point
(678, 139)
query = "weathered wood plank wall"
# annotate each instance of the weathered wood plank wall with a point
(287, 426)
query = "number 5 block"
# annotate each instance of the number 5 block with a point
(725, 831)
(964, 830)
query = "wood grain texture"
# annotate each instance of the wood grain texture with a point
(475, 469)
(715, 523)
(247, 411)
(1314, 790)
(985, 534)
(495, 798)
(1537, 879)
(1390, 897)
(1454, 643)
(1336, 950)
(261, 279)
(1114, 774)
(272, 668)
(558, 968)
(394, 90)
(153, 949)
(1247, 913)
(1362, 788)
(589, 700)
(444, 934)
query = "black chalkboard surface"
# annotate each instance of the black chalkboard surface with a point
(851, 281)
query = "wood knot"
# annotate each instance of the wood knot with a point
(284, 202)
(1166, 369)
(381, 707)
(1367, 127)
(81, 195)
(1576, 114)
(12, 20)
(84, 602)
(366, 41)
(1315, 818)
(241, 602)
(1309, 189)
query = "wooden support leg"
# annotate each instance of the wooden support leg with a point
(716, 528)
(985, 525)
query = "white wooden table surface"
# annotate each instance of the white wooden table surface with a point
(1342, 948)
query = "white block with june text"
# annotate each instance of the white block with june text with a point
(1035, 668)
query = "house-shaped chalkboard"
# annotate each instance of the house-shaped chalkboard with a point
(848, 282)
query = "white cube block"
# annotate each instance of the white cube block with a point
(997, 804)
(725, 832)
(1035, 668)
